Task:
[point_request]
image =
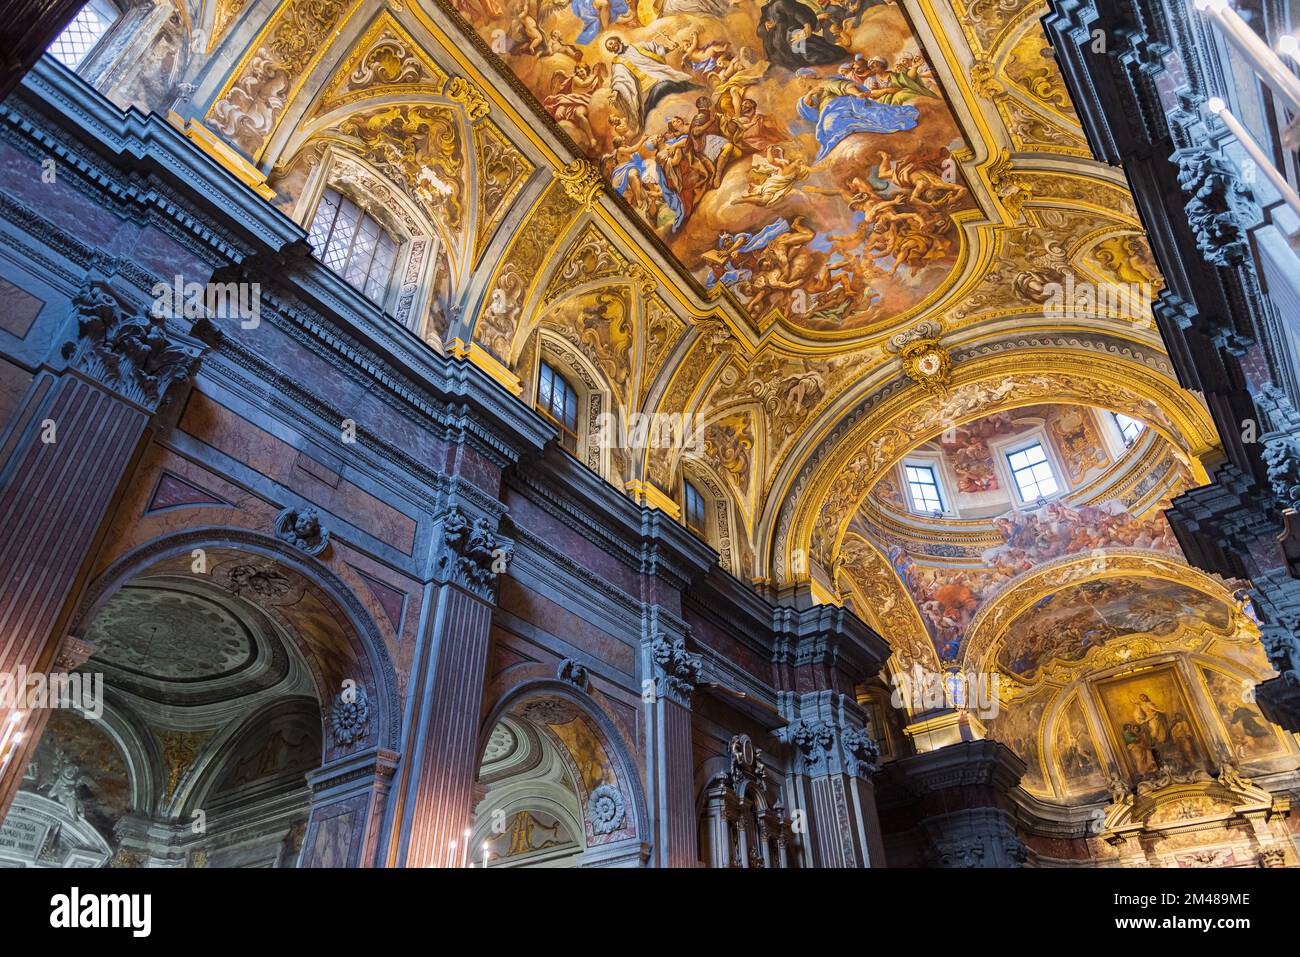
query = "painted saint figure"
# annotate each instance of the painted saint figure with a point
(641, 77)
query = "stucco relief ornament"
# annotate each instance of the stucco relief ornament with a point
(928, 364)
(350, 715)
(1282, 459)
(570, 672)
(302, 529)
(130, 351)
(860, 750)
(605, 809)
(581, 181)
(1217, 205)
(468, 95)
(813, 738)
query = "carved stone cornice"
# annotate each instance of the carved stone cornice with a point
(985, 764)
(824, 646)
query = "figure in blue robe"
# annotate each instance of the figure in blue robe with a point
(585, 10)
(738, 243)
(838, 116)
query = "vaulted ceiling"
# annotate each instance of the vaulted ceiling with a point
(834, 234)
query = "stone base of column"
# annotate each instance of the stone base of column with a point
(349, 797)
(629, 853)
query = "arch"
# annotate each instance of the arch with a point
(823, 493)
(362, 641)
(616, 746)
(988, 628)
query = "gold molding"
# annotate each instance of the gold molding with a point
(649, 495)
(480, 357)
(225, 155)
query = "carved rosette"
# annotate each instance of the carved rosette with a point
(301, 528)
(473, 557)
(605, 809)
(130, 351)
(676, 670)
(350, 715)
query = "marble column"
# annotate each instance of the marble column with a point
(83, 422)
(434, 805)
(821, 654)
(672, 674)
(835, 759)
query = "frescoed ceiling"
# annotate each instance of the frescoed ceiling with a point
(802, 155)
(826, 236)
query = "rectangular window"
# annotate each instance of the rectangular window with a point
(694, 509)
(924, 488)
(1129, 428)
(557, 401)
(353, 244)
(1032, 472)
(86, 29)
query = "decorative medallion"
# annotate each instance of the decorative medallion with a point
(605, 809)
(350, 715)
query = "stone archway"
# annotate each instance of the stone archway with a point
(220, 631)
(552, 758)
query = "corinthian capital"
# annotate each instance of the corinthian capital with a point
(473, 555)
(128, 350)
(676, 670)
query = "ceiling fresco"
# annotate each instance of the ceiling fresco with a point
(799, 154)
(1065, 625)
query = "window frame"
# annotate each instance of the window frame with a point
(1037, 441)
(936, 482)
(688, 489)
(548, 373)
(99, 8)
(364, 219)
(1137, 424)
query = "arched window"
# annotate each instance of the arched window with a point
(353, 244)
(1129, 428)
(83, 33)
(558, 401)
(693, 509)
